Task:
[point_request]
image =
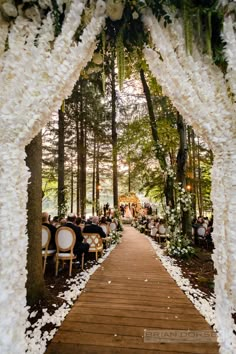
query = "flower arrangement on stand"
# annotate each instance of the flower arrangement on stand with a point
(179, 246)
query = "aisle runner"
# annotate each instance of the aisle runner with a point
(131, 305)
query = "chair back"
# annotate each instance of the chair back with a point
(65, 239)
(153, 231)
(201, 231)
(46, 236)
(113, 226)
(104, 227)
(161, 229)
(94, 241)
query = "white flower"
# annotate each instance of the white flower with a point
(135, 15)
(115, 9)
(9, 9)
(97, 58)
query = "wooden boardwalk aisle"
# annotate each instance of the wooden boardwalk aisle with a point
(130, 292)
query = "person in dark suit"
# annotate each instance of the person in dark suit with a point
(52, 228)
(80, 247)
(94, 228)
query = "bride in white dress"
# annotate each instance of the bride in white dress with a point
(128, 214)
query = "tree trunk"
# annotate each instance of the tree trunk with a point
(94, 176)
(71, 186)
(61, 160)
(83, 160)
(200, 201)
(35, 282)
(181, 172)
(129, 175)
(97, 181)
(78, 205)
(169, 187)
(195, 193)
(114, 132)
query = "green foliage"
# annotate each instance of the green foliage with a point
(115, 237)
(179, 246)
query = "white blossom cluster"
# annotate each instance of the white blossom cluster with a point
(115, 236)
(36, 337)
(205, 97)
(179, 245)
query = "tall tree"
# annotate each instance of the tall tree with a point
(61, 161)
(181, 171)
(169, 188)
(114, 131)
(35, 282)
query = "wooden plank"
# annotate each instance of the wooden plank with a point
(134, 313)
(69, 348)
(159, 309)
(113, 340)
(139, 322)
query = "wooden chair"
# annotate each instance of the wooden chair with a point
(161, 233)
(95, 245)
(153, 232)
(113, 226)
(46, 238)
(65, 241)
(201, 236)
(107, 239)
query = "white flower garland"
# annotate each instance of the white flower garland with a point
(200, 93)
(229, 35)
(35, 81)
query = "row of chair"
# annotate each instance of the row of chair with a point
(65, 240)
(157, 233)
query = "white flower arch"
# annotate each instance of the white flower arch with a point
(35, 80)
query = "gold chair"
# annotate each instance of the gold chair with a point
(95, 245)
(46, 238)
(107, 239)
(65, 241)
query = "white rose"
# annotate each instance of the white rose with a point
(9, 9)
(135, 16)
(97, 58)
(115, 9)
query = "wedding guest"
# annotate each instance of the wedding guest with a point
(52, 228)
(94, 228)
(80, 246)
(104, 225)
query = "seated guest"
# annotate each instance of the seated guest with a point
(94, 228)
(52, 228)
(80, 247)
(79, 222)
(104, 225)
(55, 221)
(62, 221)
